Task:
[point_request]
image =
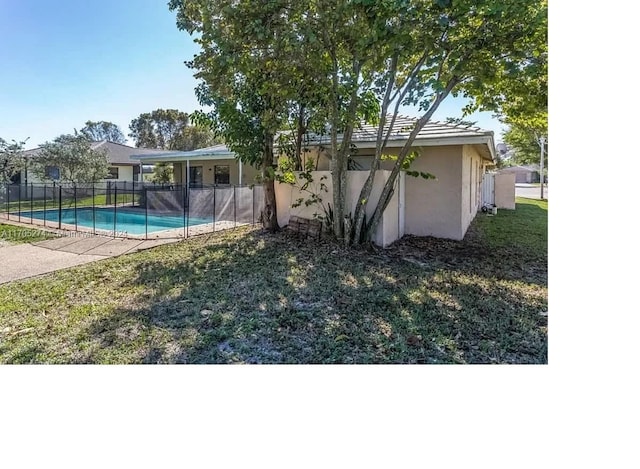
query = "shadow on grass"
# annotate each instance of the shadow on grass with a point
(261, 298)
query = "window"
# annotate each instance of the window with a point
(221, 174)
(113, 173)
(52, 172)
(195, 176)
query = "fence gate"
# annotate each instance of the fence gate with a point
(488, 189)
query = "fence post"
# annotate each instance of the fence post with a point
(93, 206)
(19, 200)
(44, 213)
(188, 208)
(31, 204)
(115, 207)
(253, 205)
(59, 207)
(7, 204)
(184, 210)
(146, 214)
(214, 208)
(234, 207)
(75, 205)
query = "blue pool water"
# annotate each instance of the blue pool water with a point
(128, 220)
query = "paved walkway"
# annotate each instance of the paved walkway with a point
(28, 260)
(531, 191)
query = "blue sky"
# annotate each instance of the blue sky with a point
(68, 61)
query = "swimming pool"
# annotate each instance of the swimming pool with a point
(127, 220)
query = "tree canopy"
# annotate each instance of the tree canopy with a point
(524, 145)
(169, 129)
(193, 137)
(264, 66)
(159, 128)
(103, 130)
(10, 161)
(72, 158)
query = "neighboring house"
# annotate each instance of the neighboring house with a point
(524, 174)
(457, 155)
(122, 167)
(206, 166)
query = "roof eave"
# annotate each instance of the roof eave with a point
(433, 142)
(178, 158)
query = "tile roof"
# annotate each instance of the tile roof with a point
(220, 151)
(117, 153)
(402, 128)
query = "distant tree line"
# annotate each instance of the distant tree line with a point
(71, 158)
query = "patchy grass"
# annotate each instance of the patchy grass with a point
(11, 234)
(523, 229)
(244, 296)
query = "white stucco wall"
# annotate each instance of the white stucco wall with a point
(433, 207)
(443, 208)
(472, 171)
(388, 229)
(125, 173)
(505, 190)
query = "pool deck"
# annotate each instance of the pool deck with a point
(29, 260)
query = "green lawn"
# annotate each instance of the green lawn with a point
(12, 234)
(67, 202)
(244, 296)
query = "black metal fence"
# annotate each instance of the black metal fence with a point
(132, 209)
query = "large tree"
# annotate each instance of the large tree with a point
(360, 56)
(264, 69)
(193, 137)
(10, 160)
(524, 145)
(246, 48)
(169, 129)
(521, 101)
(443, 48)
(73, 159)
(103, 130)
(159, 128)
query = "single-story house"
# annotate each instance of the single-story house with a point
(205, 166)
(121, 166)
(457, 155)
(524, 174)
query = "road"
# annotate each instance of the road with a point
(530, 191)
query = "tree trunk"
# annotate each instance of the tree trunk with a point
(339, 161)
(336, 166)
(388, 188)
(365, 192)
(269, 213)
(300, 131)
(339, 179)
